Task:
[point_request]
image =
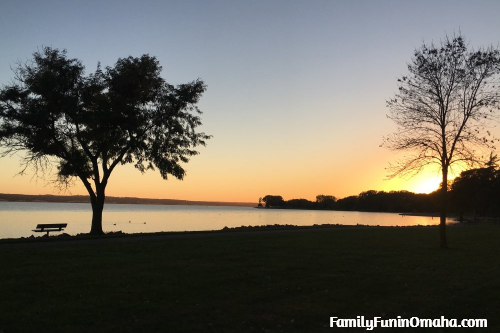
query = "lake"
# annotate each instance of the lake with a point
(18, 219)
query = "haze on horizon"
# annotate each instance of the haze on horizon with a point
(296, 89)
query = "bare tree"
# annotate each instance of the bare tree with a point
(442, 111)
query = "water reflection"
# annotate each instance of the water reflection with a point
(17, 219)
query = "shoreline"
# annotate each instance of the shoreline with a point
(226, 231)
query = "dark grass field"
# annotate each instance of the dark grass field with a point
(272, 281)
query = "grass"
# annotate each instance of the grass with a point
(250, 282)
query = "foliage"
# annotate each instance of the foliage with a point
(444, 105)
(477, 191)
(325, 201)
(300, 204)
(394, 201)
(87, 125)
(442, 110)
(369, 201)
(273, 201)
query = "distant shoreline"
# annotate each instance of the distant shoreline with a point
(115, 200)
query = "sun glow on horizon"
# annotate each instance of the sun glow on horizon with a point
(428, 185)
(430, 182)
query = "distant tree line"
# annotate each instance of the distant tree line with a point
(369, 201)
(277, 201)
(475, 193)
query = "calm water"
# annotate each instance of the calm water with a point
(17, 219)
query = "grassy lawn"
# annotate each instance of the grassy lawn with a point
(251, 282)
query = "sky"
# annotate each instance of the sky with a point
(297, 90)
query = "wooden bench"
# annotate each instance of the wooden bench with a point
(50, 227)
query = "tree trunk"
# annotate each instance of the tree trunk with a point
(97, 207)
(443, 243)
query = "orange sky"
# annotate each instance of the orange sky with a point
(238, 180)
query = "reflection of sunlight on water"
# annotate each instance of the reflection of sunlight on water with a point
(18, 219)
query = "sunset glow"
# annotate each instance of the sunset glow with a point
(296, 90)
(428, 186)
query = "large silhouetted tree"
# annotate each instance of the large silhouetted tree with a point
(442, 110)
(89, 124)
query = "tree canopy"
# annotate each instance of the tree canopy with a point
(478, 190)
(273, 201)
(88, 124)
(443, 108)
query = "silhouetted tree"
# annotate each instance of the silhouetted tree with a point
(348, 203)
(477, 191)
(394, 201)
(299, 204)
(441, 110)
(87, 125)
(325, 201)
(273, 201)
(369, 201)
